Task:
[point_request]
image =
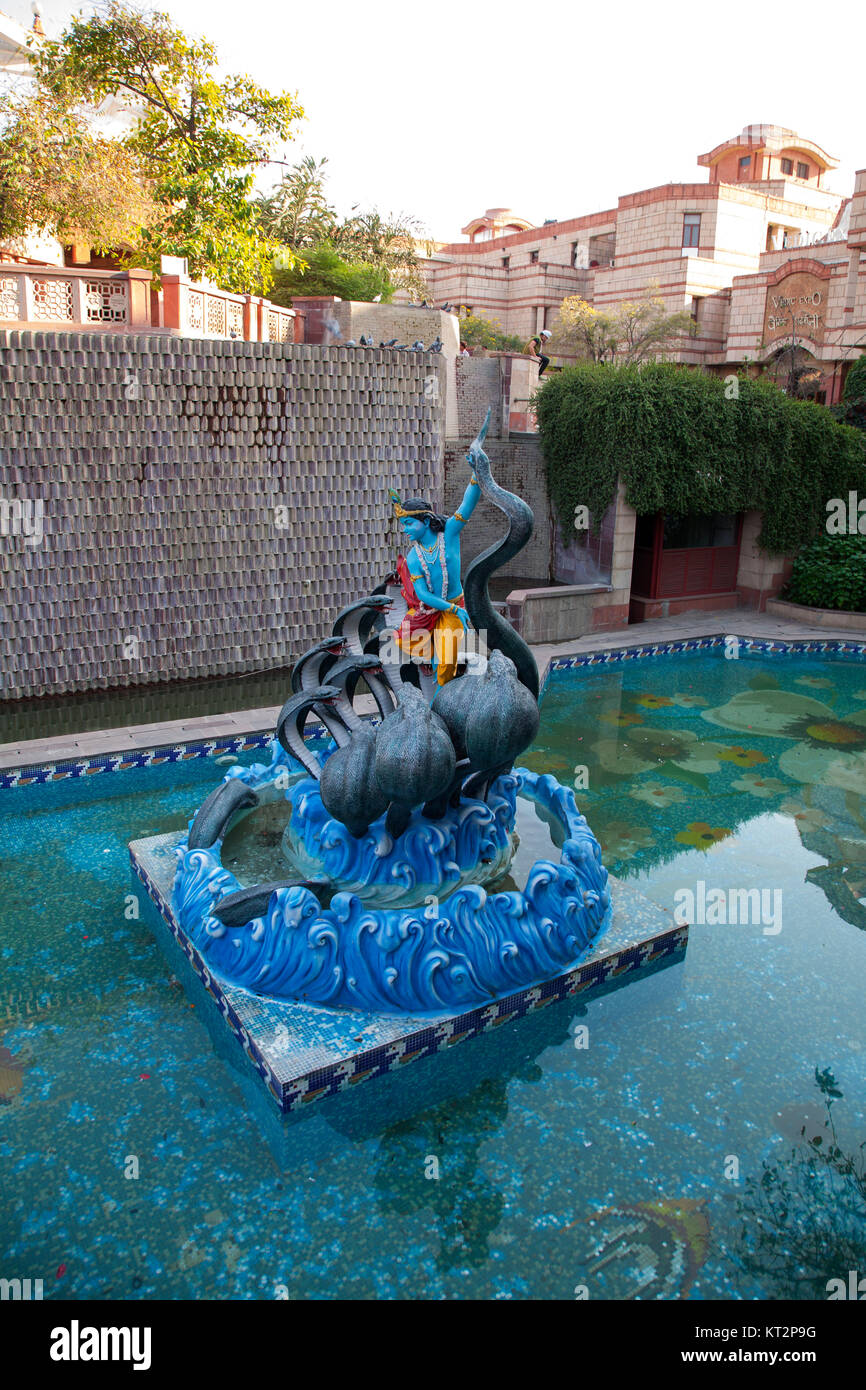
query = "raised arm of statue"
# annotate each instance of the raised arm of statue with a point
(466, 508)
(473, 492)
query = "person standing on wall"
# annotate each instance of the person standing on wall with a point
(535, 347)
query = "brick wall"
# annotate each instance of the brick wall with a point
(479, 385)
(329, 320)
(517, 465)
(162, 466)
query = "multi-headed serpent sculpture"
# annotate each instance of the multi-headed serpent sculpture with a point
(402, 821)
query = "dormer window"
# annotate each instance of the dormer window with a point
(802, 171)
(745, 161)
(787, 166)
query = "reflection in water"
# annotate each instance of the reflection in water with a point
(430, 1163)
(677, 755)
(12, 1069)
(253, 848)
(446, 1138)
(803, 1221)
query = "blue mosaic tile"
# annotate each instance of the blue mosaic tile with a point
(126, 761)
(793, 646)
(304, 1052)
(147, 757)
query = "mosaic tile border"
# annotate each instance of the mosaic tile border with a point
(181, 752)
(126, 761)
(242, 1035)
(61, 771)
(772, 646)
(431, 1035)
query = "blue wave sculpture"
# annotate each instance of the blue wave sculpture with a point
(465, 949)
(473, 840)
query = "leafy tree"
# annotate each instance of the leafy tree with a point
(855, 381)
(57, 175)
(853, 409)
(197, 140)
(630, 333)
(387, 243)
(297, 212)
(324, 271)
(371, 254)
(477, 331)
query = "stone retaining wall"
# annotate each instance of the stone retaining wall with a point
(207, 507)
(517, 465)
(839, 619)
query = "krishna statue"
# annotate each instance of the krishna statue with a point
(430, 581)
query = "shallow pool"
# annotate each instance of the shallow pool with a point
(684, 1135)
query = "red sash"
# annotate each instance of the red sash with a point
(417, 617)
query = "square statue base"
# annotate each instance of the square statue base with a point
(304, 1052)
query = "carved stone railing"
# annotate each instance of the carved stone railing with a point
(124, 301)
(203, 311)
(81, 298)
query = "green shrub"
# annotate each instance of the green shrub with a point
(686, 442)
(855, 381)
(830, 572)
(328, 273)
(852, 408)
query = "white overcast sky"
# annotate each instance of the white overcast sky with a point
(448, 108)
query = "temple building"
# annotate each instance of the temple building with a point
(765, 256)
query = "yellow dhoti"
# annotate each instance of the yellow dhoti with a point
(446, 644)
(433, 640)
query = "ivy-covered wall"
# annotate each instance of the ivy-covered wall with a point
(686, 442)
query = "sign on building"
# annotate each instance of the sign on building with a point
(796, 307)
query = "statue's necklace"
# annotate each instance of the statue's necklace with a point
(439, 544)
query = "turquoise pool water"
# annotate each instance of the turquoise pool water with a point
(685, 1135)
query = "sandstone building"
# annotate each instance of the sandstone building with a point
(768, 259)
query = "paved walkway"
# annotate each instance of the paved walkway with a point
(742, 622)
